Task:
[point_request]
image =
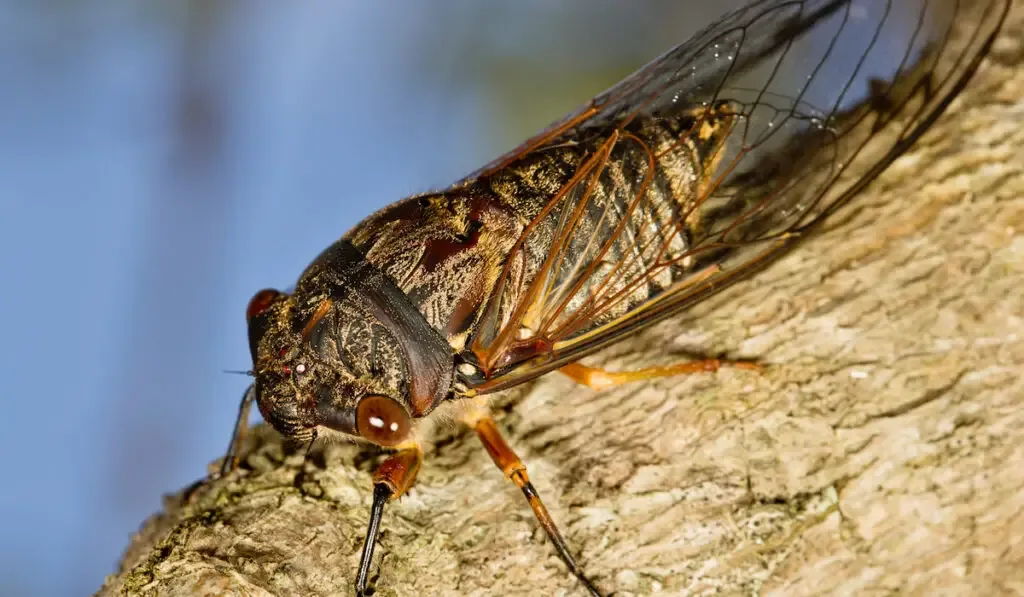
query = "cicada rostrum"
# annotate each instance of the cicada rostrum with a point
(698, 170)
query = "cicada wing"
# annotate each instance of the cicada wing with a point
(710, 161)
(694, 69)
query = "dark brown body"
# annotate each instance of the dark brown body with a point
(447, 251)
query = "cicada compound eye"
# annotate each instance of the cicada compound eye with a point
(381, 420)
(260, 302)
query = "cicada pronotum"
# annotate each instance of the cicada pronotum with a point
(696, 171)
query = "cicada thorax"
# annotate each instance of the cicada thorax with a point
(444, 252)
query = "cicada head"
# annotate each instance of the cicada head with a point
(345, 352)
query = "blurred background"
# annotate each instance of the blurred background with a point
(160, 161)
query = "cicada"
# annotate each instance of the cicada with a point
(694, 172)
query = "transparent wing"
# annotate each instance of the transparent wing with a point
(711, 160)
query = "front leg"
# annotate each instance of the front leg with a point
(230, 461)
(393, 477)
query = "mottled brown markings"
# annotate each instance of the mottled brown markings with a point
(452, 236)
(466, 231)
(457, 243)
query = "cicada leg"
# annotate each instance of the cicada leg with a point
(230, 461)
(394, 476)
(601, 379)
(514, 469)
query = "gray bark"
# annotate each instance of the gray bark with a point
(881, 450)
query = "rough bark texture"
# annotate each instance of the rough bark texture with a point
(880, 452)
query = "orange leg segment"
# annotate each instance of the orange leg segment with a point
(601, 379)
(399, 471)
(514, 469)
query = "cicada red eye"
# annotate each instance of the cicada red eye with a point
(382, 421)
(260, 302)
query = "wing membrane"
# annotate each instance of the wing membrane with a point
(713, 159)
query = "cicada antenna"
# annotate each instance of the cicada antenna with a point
(250, 373)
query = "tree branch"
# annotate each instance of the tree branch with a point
(881, 450)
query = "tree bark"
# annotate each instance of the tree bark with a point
(880, 451)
